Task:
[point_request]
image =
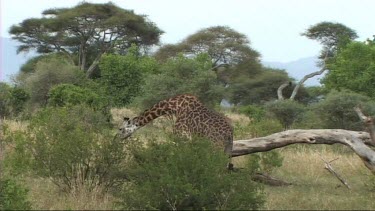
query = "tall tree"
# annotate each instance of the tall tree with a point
(354, 69)
(223, 44)
(85, 32)
(330, 35)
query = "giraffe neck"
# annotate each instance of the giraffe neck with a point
(160, 109)
(172, 106)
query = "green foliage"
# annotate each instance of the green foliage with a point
(331, 35)
(73, 146)
(265, 162)
(337, 111)
(286, 111)
(48, 73)
(122, 76)
(12, 100)
(181, 174)
(254, 112)
(70, 95)
(354, 69)
(13, 196)
(74, 31)
(180, 76)
(260, 88)
(4, 99)
(223, 44)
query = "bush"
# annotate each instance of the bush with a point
(180, 76)
(286, 111)
(13, 196)
(73, 146)
(12, 100)
(256, 113)
(122, 76)
(48, 73)
(336, 111)
(182, 174)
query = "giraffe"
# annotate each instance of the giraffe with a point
(192, 118)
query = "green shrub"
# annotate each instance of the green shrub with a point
(73, 146)
(70, 95)
(13, 196)
(181, 174)
(182, 75)
(12, 100)
(286, 111)
(48, 73)
(336, 111)
(5, 97)
(122, 76)
(256, 113)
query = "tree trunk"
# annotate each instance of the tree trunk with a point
(356, 140)
(94, 64)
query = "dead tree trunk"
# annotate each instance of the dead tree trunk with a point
(358, 141)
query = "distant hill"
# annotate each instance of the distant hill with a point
(299, 68)
(10, 60)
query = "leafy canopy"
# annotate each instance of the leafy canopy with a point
(330, 35)
(354, 69)
(180, 76)
(85, 32)
(221, 43)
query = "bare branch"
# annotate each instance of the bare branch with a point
(356, 140)
(368, 122)
(321, 71)
(281, 88)
(332, 171)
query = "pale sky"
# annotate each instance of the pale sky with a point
(273, 26)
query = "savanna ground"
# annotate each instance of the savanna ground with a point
(312, 187)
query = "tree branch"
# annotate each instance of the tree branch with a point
(368, 122)
(321, 71)
(281, 88)
(356, 140)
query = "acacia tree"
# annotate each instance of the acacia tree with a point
(330, 35)
(223, 44)
(353, 69)
(85, 32)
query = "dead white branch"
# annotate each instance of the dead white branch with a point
(356, 140)
(302, 81)
(329, 168)
(368, 122)
(281, 88)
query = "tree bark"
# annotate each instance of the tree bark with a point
(358, 141)
(321, 71)
(281, 88)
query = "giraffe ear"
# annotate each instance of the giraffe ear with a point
(126, 119)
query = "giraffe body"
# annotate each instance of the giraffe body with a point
(192, 118)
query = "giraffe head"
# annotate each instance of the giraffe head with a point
(127, 128)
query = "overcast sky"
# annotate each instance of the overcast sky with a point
(273, 26)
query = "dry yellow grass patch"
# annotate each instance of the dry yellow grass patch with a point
(44, 195)
(238, 118)
(314, 187)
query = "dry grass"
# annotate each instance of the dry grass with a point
(313, 186)
(44, 195)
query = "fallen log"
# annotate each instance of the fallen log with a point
(358, 141)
